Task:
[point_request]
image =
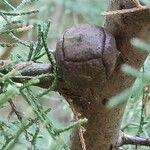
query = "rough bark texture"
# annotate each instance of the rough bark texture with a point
(102, 129)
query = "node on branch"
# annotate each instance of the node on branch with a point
(86, 55)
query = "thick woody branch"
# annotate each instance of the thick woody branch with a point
(91, 78)
(126, 139)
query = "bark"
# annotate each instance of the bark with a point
(102, 129)
(134, 140)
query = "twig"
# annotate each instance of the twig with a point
(138, 7)
(124, 11)
(12, 35)
(137, 3)
(81, 129)
(126, 139)
(19, 116)
(13, 107)
(8, 4)
(28, 71)
(18, 14)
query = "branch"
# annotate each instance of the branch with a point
(28, 70)
(125, 139)
(87, 84)
(19, 116)
(124, 11)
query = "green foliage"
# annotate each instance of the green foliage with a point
(31, 127)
